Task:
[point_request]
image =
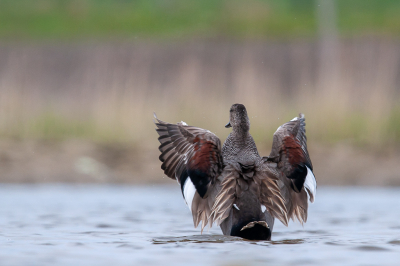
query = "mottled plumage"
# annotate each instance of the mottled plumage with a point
(229, 185)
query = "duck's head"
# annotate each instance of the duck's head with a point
(238, 118)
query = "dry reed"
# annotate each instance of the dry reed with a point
(108, 91)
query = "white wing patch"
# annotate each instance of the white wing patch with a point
(311, 185)
(263, 208)
(183, 123)
(188, 192)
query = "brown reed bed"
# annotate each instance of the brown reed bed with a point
(107, 92)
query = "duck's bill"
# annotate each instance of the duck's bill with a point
(228, 125)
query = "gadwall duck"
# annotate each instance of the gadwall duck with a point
(234, 186)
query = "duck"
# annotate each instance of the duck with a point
(231, 185)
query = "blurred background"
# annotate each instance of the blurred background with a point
(80, 80)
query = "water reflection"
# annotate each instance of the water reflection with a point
(198, 239)
(117, 225)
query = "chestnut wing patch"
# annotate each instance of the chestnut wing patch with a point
(296, 169)
(204, 165)
(189, 152)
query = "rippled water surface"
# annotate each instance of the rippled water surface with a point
(151, 225)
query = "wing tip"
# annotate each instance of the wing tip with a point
(182, 123)
(301, 117)
(156, 119)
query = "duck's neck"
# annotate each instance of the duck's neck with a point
(241, 132)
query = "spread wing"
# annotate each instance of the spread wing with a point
(290, 161)
(192, 156)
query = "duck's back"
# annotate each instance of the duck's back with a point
(240, 153)
(240, 149)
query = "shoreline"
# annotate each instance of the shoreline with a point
(82, 161)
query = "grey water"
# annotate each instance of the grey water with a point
(151, 225)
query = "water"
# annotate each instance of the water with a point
(151, 225)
